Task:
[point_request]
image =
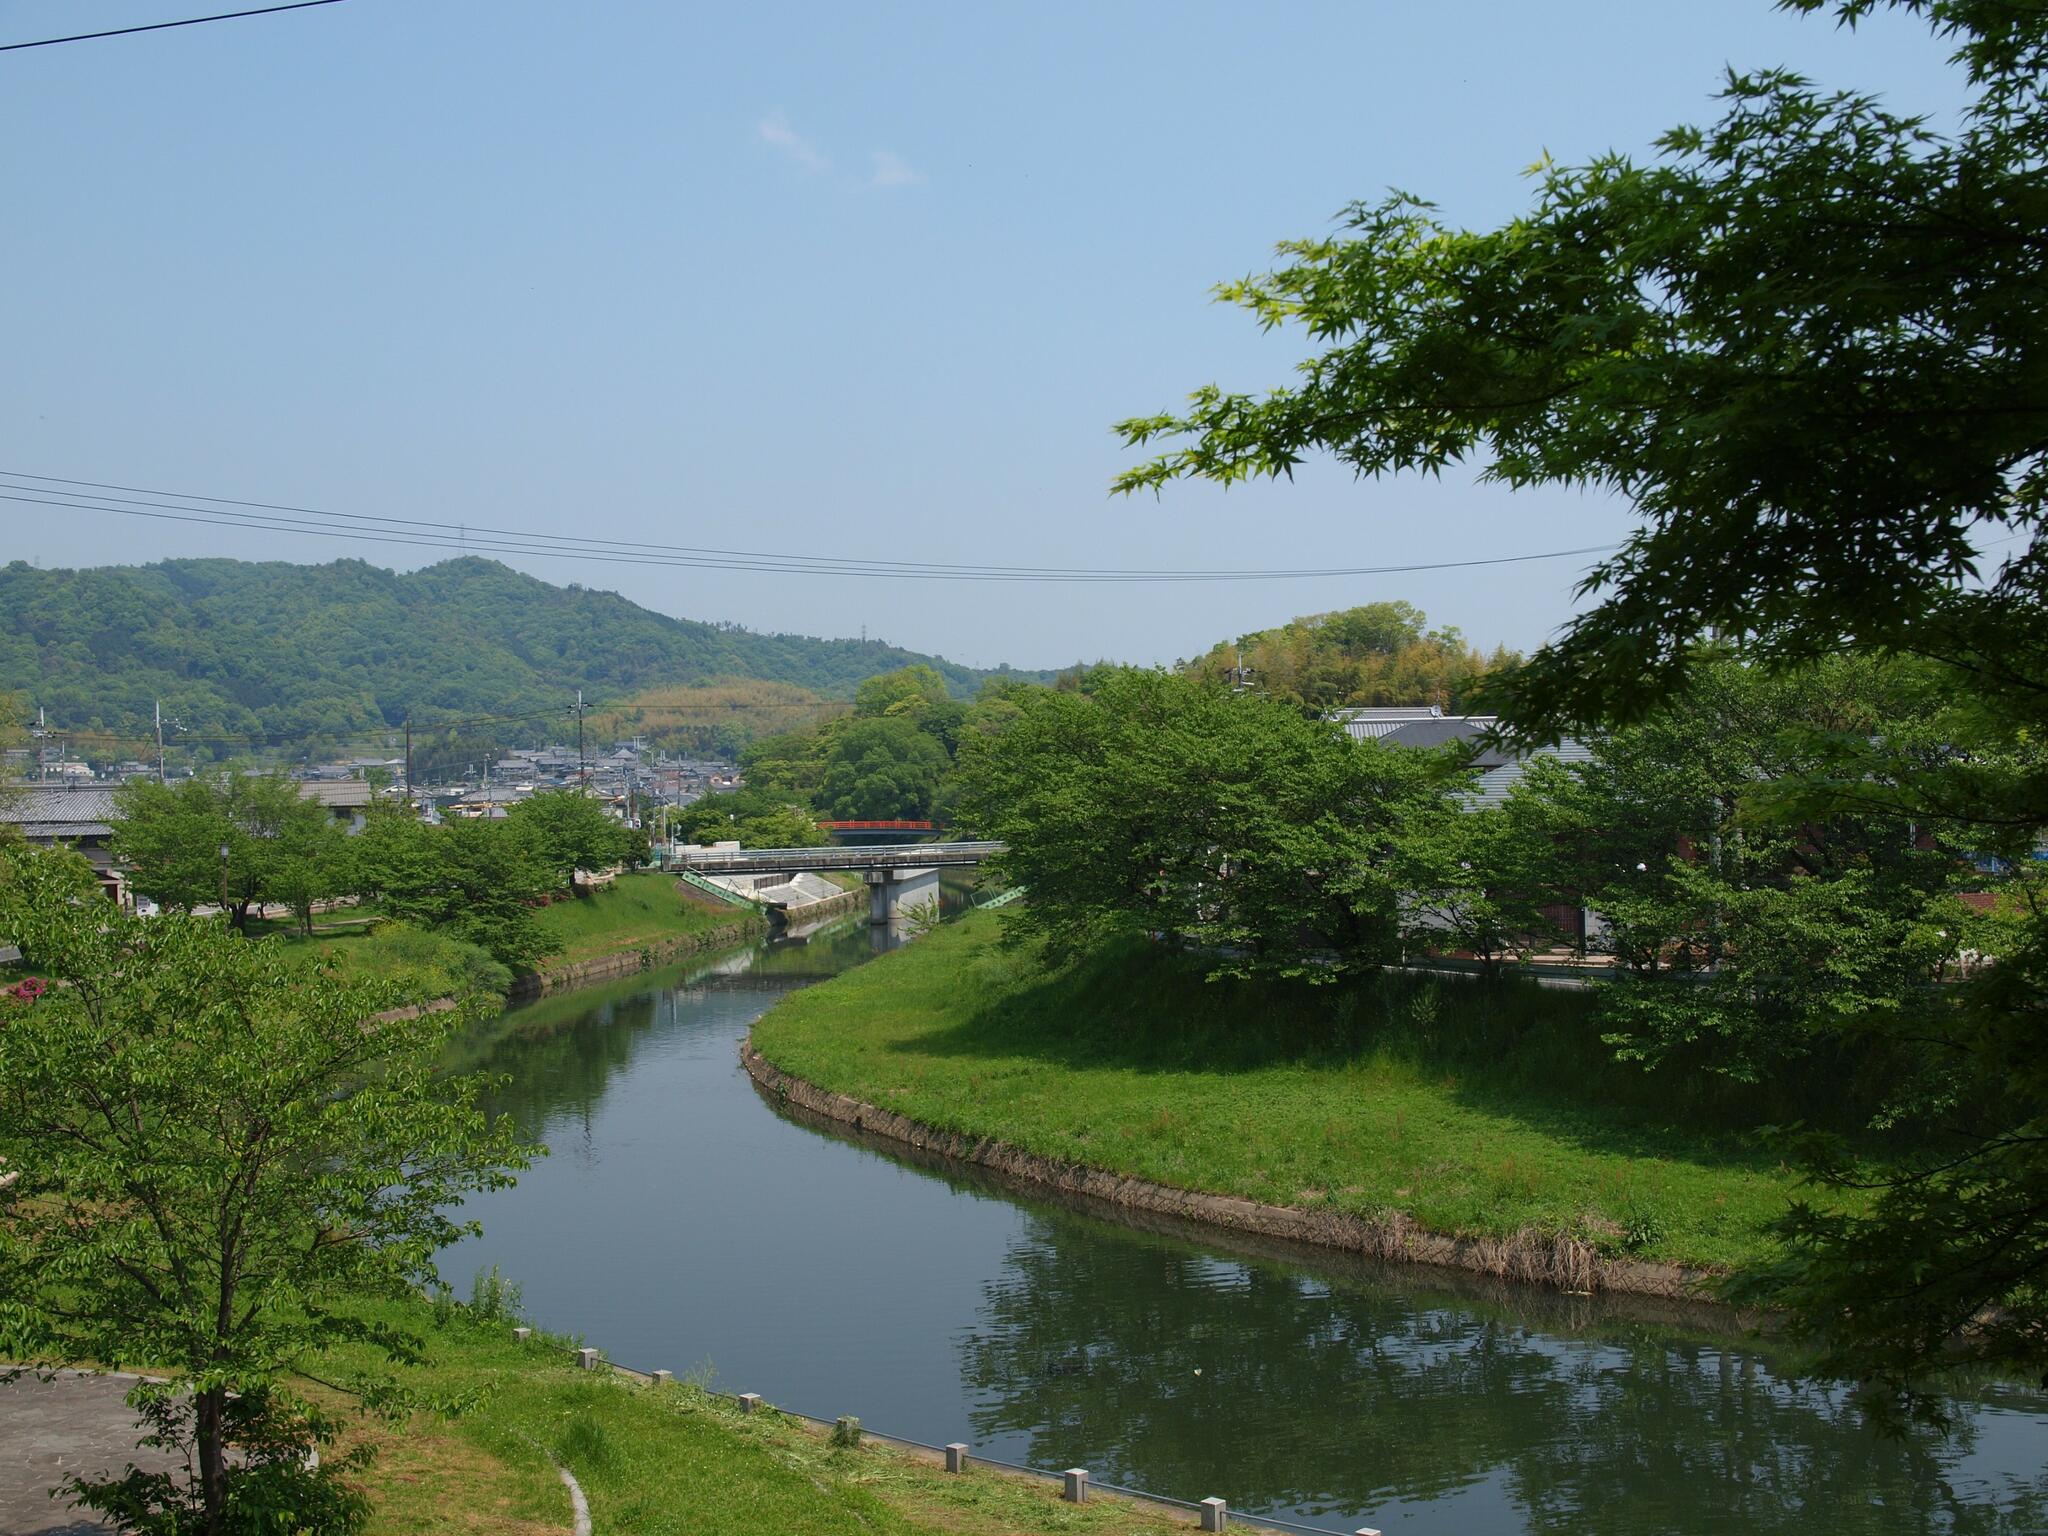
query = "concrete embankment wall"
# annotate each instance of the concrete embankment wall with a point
(1556, 1260)
(811, 913)
(627, 962)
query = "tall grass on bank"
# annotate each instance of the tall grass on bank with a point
(432, 964)
(1475, 1109)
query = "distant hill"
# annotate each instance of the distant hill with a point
(301, 655)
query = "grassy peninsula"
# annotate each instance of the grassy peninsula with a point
(1474, 1110)
(655, 1460)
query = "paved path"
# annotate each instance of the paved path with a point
(74, 1426)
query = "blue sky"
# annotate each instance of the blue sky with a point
(868, 281)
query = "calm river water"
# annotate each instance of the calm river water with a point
(683, 1223)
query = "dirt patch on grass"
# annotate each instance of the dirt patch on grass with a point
(428, 1481)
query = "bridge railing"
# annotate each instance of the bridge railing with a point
(757, 861)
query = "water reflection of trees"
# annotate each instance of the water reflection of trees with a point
(559, 1055)
(1156, 1364)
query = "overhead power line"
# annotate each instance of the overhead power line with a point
(165, 26)
(271, 517)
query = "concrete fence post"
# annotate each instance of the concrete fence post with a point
(749, 1402)
(1076, 1489)
(664, 1378)
(1215, 1514)
(521, 1335)
(586, 1359)
(956, 1457)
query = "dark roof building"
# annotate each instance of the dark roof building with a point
(47, 813)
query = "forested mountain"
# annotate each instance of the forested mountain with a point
(305, 654)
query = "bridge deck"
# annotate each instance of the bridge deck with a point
(762, 861)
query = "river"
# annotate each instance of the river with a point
(681, 1222)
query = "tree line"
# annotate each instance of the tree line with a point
(893, 757)
(243, 841)
(1747, 934)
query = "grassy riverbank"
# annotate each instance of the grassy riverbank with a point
(635, 911)
(641, 911)
(658, 1461)
(364, 946)
(1472, 1110)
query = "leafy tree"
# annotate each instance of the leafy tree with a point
(568, 831)
(911, 691)
(791, 764)
(13, 734)
(882, 769)
(1473, 880)
(1802, 343)
(279, 845)
(1744, 940)
(1806, 343)
(476, 879)
(1157, 803)
(754, 818)
(218, 1152)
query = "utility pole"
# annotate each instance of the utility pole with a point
(159, 741)
(408, 763)
(582, 772)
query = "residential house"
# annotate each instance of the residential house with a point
(76, 816)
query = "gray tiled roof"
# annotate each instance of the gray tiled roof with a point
(1470, 729)
(60, 810)
(1500, 768)
(1494, 784)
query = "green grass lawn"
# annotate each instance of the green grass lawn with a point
(653, 1462)
(635, 910)
(1474, 1109)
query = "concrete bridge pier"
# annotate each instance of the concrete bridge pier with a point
(894, 893)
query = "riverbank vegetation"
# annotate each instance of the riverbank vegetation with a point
(1468, 1108)
(242, 841)
(1802, 343)
(636, 910)
(652, 1460)
(896, 755)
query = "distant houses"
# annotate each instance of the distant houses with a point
(1499, 768)
(54, 800)
(1425, 725)
(77, 816)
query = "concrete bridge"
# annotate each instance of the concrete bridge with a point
(899, 878)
